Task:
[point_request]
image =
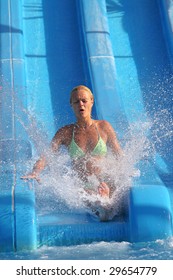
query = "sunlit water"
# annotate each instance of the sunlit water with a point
(156, 250)
(60, 185)
(59, 188)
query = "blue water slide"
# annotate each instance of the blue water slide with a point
(141, 36)
(17, 218)
(122, 50)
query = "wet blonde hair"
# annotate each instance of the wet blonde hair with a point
(78, 88)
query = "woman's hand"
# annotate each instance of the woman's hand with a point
(31, 176)
(104, 190)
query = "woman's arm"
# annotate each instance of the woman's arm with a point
(41, 163)
(112, 140)
(37, 168)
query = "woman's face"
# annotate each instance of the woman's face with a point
(82, 103)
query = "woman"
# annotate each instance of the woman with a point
(86, 140)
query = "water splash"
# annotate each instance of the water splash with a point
(60, 188)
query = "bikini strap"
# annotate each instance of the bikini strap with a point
(97, 131)
(73, 132)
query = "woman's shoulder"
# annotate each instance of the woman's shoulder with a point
(102, 123)
(67, 127)
(63, 135)
(64, 131)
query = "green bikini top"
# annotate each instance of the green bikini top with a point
(76, 152)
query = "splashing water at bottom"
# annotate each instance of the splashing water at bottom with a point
(62, 191)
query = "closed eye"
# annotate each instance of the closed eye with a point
(83, 101)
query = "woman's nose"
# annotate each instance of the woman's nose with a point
(81, 102)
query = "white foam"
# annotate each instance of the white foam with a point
(62, 190)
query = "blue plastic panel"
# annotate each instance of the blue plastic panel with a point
(72, 229)
(6, 219)
(166, 11)
(101, 62)
(150, 213)
(17, 207)
(25, 216)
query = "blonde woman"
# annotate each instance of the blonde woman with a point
(87, 141)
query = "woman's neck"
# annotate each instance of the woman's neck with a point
(84, 123)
